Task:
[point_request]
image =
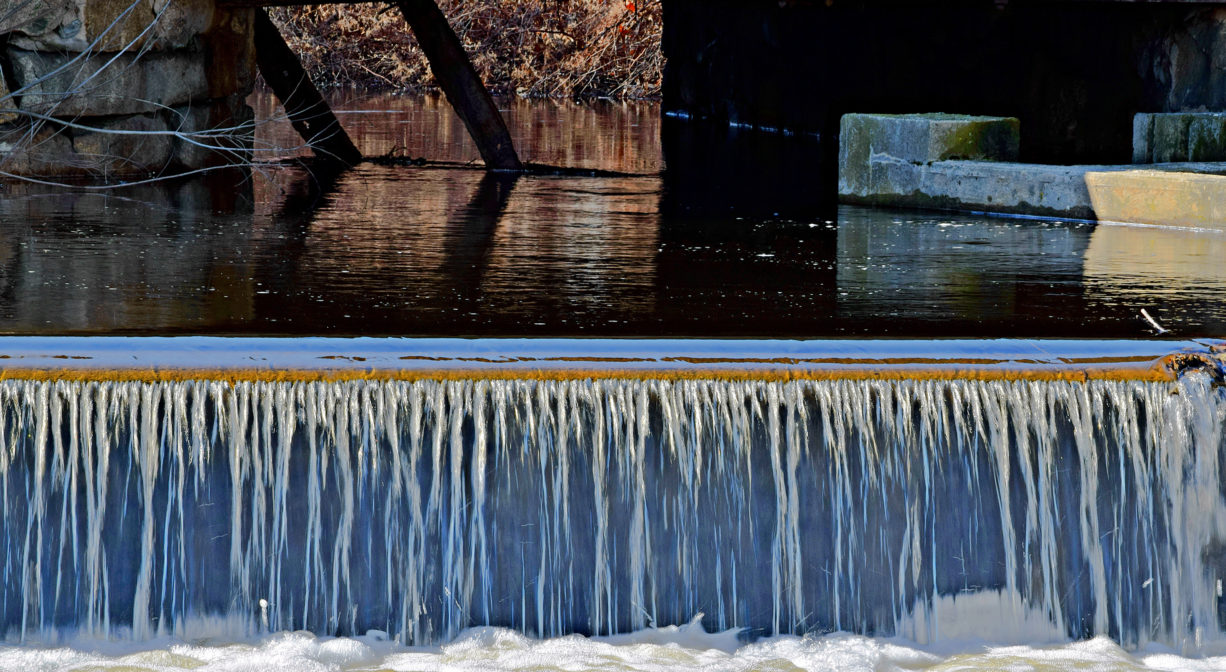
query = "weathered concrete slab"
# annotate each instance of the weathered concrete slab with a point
(1179, 136)
(1170, 194)
(108, 25)
(980, 185)
(108, 85)
(1159, 197)
(886, 139)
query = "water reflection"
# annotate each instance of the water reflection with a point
(731, 240)
(943, 274)
(603, 135)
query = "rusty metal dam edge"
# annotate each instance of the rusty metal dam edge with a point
(150, 359)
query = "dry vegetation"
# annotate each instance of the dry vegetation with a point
(536, 48)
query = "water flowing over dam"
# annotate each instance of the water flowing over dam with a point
(421, 507)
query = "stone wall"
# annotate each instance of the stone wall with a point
(123, 88)
(1074, 73)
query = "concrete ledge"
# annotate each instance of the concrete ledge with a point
(1159, 197)
(152, 359)
(1171, 194)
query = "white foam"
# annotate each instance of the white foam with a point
(682, 647)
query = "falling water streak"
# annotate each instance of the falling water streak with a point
(425, 507)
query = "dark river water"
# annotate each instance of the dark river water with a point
(704, 232)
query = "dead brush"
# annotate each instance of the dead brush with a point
(531, 48)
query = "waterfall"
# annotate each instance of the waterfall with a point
(422, 508)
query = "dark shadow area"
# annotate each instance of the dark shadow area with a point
(1074, 73)
(716, 170)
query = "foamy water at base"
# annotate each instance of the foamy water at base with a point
(685, 647)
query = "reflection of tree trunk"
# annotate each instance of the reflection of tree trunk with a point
(307, 196)
(307, 110)
(460, 82)
(304, 199)
(470, 235)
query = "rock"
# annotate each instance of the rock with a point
(113, 25)
(36, 17)
(127, 85)
(53, 155)
(1142, 138)
(870, 143)
(109, 154)
(1026, 188)
(162, 145)
(8, 106)
(233, 115)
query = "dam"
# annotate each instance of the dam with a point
(289, 390)
(557, 487)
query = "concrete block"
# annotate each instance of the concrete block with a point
(1207, 138)
(1170, 137)
(1179, 136)
(95, 86)
(1142, 138)
(866, 140)
(1163, 197)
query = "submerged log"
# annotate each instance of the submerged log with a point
(307, 109)
(461, 84)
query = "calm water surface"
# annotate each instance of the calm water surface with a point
(706, 233)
